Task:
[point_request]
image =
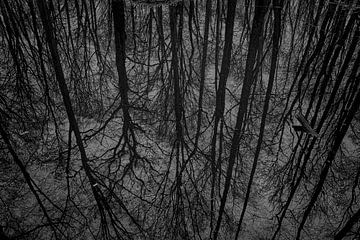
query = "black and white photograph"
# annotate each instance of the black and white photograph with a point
(179, 119)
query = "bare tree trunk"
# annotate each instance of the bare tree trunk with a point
(118, 12)
(175, 31)
(276, 39)
(220, 93)
(203, 68)
(349, 224)
(175, 72)
(217, 40)
(51, 41)
(261, 7)
(133, 25)
(149, 84)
